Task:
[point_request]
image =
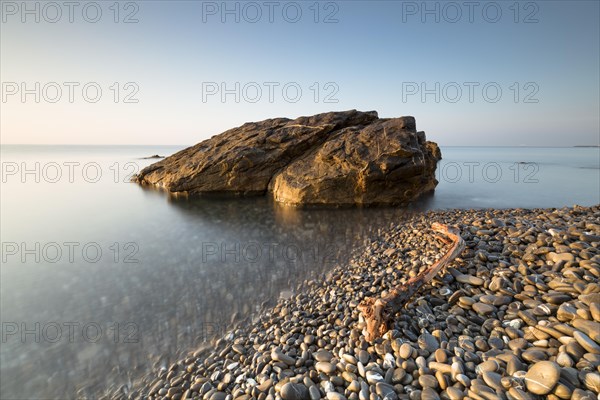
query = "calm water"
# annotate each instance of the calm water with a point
(103, 282)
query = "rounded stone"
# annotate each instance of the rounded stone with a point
(280, 356)
(429, 394)
(386, 391)
(586, 342)
(591, 381)
(309, 339)
(518, 394)
(488, 366)
(294, 391)
(482, 308)
(363, 357)
(323, 355)
(325, 367)
(466, 382)
(534, 355)
(335, 396)
(493, 380)
(373, 377)
(406, 351)
(314, 392)
(467, 301)
(441, 356)
(428, 342)
(564, 360)
(354, 386)
(542, 377)
(455, 393)
(428, 381)
(398, 375)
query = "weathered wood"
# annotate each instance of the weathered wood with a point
(378, 312)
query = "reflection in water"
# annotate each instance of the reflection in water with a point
(199, 263)
(216, 265)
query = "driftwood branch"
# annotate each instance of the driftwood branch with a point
(377, 312)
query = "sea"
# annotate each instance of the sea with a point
(103, 282)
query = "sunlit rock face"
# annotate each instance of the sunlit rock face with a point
(335, 158)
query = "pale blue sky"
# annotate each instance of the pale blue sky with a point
(374, 57)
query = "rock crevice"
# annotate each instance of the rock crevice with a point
(336, 158)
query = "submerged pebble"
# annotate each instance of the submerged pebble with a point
(516, 315)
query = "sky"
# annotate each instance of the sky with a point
(479, 73)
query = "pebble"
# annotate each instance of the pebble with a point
(279, 356)
(518, 394)
(294, 391)
(373, 377)
(587, 343)
(542, 377)
(515, 316)
(363, 356)
(429, 394)
(469, 279)
(314, 393)
(592, 381)
(428, 342)
(493, 380)
(406, 350)
(428, 381)
(238, 348)
(482, 308)
(463, 379)
(386, 391)
(455, 393)
(398, 375)
(323, 356)
(441, 356)
(325, 367)
(595, 311)
(488, 366)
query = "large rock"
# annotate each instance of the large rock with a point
(339, 158)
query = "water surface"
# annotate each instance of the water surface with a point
(103, 281)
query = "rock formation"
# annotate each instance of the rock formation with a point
(335, 158)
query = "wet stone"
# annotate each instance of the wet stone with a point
(505, 322)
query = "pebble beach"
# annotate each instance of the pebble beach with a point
(515, 316)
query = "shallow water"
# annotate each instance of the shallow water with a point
(103, 282)
(512, 177)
